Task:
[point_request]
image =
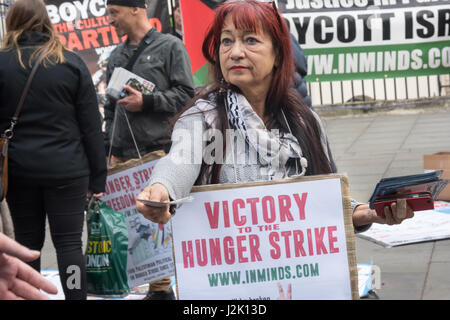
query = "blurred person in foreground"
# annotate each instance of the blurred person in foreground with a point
(56, 156)
(249, 49)
(18, 281)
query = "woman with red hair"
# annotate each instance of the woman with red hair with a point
(248, 125)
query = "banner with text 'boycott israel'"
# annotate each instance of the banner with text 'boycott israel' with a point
(290, 239)
(368, 39)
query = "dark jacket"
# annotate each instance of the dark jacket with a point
(301, 70)
(165, 62)
(58, 135)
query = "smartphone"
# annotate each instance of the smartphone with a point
(156, 204)
(172, 204)
(417, 201)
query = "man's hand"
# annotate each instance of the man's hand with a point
(156, 192)
(133, 101)
(19, 281)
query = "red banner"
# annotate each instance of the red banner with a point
(197, 17)
(83, 26)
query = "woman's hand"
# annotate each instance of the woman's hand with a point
(155, 192)
(393, 214)
(93, 197)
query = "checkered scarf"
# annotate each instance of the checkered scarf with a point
(274, 147)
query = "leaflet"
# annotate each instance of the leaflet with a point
(417, 183)
(122, 77)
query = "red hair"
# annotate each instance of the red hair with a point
(255, 16)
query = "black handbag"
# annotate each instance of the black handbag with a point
(8, 134)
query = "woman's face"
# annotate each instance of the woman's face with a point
(247, 59)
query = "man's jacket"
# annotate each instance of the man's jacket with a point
(301, 70)
(165, 62)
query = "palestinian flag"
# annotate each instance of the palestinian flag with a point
(197, 16)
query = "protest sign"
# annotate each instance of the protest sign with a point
(83, 26)
(149, 244)
(369, 39)
(349, 39)
(264, 240)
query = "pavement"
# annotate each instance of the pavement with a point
(368, 147)
(386, 144)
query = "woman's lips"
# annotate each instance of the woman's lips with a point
(237, 68)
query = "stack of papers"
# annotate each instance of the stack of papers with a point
(122, 77)
(407, 184)
(428, 225)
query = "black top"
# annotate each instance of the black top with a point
(301, 70)
(58, 134)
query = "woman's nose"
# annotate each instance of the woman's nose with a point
(237, 51)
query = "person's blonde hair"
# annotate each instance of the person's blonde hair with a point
(31, 15)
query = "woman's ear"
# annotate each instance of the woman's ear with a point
(277, 57)
(276, 63)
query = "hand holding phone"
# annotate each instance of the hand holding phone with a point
(156, 208)
(417, 201)
(158, 204)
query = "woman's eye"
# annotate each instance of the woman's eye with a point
(226, 41)
(251, 40)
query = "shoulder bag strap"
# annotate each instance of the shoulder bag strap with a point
(9, 132)
(144, 43)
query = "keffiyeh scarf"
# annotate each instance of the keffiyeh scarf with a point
(273, 147)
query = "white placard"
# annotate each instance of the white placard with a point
(149, 244)
(252, 242)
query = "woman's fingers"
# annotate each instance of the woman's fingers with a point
(388, 215)
(15, 249)
(34, 279)
(158, 193)
(397, 212)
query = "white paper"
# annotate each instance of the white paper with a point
(149, 244)
(121, 77)
(231, 244)
(364, 279)
(424, 226)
